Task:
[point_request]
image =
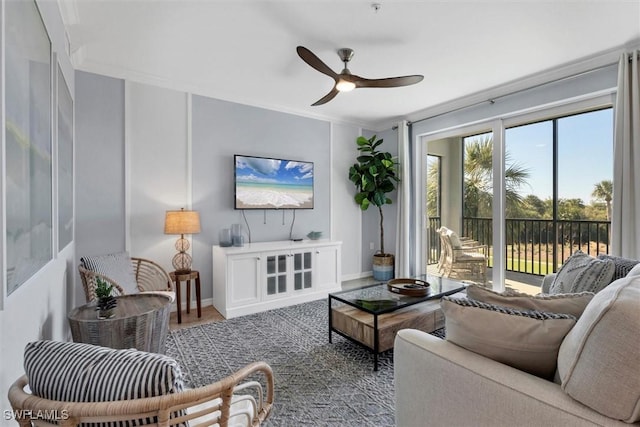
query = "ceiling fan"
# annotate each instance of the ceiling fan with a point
(345, 81)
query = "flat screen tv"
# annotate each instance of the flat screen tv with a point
(266, 183)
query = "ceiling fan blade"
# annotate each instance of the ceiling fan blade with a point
(328, 97)
(315, 62)
(388, 82)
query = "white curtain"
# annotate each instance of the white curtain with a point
(403, 248)
(625, 221)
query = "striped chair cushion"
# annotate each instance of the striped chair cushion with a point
(116, 266)
(76, 372)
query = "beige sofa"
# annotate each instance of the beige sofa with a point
(438, 383)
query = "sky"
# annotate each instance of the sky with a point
(265, 171)
(585, 154)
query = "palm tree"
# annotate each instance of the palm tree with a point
(478, 179)
(603, 191)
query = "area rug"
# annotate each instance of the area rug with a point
(316, 383)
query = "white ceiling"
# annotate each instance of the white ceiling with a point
(245, 50)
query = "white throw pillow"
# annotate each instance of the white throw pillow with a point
(582, 273)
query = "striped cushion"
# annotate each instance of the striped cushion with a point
(573, 304)
(76, 372)
(116, 266)
(524, 339)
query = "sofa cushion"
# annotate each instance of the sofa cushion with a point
(599, 360)
(526, 340)
(116, 266)
(573, 304)
(77, 372)
(582, 273)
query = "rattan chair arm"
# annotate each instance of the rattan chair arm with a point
(150, 276)
(89, 283)
(74, 413)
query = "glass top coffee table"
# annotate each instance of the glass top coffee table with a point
(372, 315)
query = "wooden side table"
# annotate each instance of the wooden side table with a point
(178, 278)
(140, 321)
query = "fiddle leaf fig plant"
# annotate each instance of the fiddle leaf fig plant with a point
(375, 175)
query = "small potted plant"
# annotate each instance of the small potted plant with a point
(106, 302)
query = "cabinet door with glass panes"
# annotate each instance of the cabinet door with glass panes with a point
(302, 269)
(287, 272)
(276, 273)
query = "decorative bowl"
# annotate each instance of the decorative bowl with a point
(314, 235)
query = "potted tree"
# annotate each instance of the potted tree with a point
(375, 175)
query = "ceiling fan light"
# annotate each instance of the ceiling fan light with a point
(345, 86)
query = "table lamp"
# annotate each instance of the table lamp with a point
(182, 222)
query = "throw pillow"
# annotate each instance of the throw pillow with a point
(635, 271)
(622, 265)
(573, 304)
(526, 340)
(77, 372)
(116, 266)
(582, 273)
(599, 360)
(455, 240)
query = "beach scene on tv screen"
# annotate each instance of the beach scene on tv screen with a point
(273, 184)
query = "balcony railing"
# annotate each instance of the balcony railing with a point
(533, 246)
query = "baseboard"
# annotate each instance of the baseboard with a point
(356, 276)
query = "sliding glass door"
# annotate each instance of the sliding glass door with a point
(546, 185)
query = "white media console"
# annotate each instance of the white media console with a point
(266, 275)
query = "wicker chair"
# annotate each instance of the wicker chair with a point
(149, 277)
(462, 258)
(210, 404)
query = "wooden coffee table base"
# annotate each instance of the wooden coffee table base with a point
(359, 325)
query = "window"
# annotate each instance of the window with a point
(563, 199)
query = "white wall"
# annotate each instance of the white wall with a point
(37, 309)
(158, 168)
(346, 216)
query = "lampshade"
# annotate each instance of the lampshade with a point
(182, 222)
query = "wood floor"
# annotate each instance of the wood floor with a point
(209, 314)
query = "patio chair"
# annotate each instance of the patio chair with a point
(127, 275)
(462, 259)
(462, 240)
